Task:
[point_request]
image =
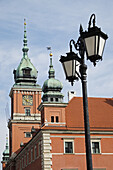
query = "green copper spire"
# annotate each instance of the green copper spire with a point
(26, 73)
(25, 48)
(51, 69)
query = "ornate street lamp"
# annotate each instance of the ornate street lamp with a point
(92, 42)
(95, 41)
(70, 65)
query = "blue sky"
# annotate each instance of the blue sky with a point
(51, 23)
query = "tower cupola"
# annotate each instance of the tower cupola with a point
(52, 87)
(26, 73)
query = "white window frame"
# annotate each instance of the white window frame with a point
(95, 140)
(69, 140)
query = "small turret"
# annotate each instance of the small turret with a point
(5, 157)
(52, 87)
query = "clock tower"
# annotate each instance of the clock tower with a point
(25, 99)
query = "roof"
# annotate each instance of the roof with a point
(100, 113)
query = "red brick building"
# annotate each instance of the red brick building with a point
(52, 136)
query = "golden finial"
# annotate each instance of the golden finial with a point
(51, 54)
(24, 21)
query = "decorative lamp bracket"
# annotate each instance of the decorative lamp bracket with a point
(93, 15)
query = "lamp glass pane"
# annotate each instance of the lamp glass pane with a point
(96, 45)
(90, 45)
(101, 46)
(68, 68)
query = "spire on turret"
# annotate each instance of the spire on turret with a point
(51, 69)
(6, 142)
(5, 157)
(25, 48)
(52, 87)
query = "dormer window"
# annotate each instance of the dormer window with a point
(51, 99)
(56, 99)
(52, 119)
(27, 72)
(57, 119)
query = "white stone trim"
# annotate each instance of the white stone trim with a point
(107, 153)
(81, 132)
(21, 116)
(46, 152)
(92, 137)
(82, 154)
(53, 124)
(67, 153)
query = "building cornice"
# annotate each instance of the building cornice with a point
(25, 88)
(23, 121)
(46, 104)
(66, 131)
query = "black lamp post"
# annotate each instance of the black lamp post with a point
(92, 42)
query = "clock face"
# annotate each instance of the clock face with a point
(27, 100)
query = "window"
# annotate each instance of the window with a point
(27, 158)
(68, 146)
(56, 99)
(28, 134)
(22, 162)
(35, 152)
(27, 111)
(39, 149)
(26, 72)
(57, 119)
(25, 161)
(52, 119)
(31, 155)
(20, 165)
(51, 99)
(95, 146)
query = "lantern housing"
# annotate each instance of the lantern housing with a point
(70, 66)
(94, 42)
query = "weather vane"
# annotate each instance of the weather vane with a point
(49, 48)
